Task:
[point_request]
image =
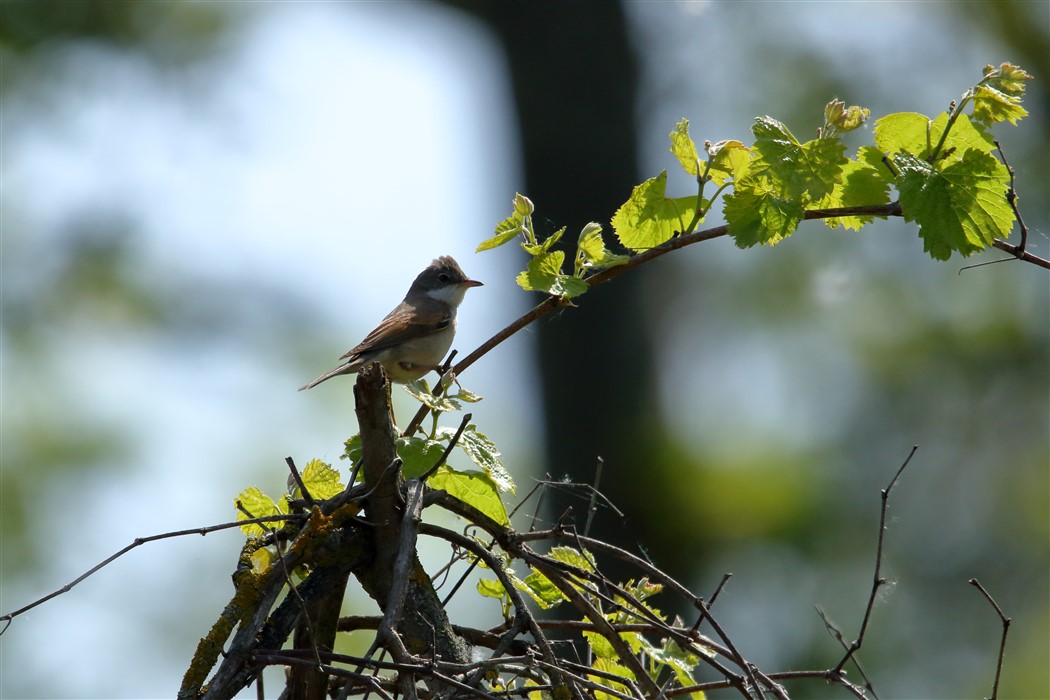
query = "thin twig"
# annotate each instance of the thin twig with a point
(721, 584)
(137, 542)
(592, 508)
(1011, 198)
(1021, 254)
(299, 482)
(878, 581)
(718, 589)
(438, 390)
(521, 610)
(448, 450)
(293, 591)
(836, 632)
(1002, 642)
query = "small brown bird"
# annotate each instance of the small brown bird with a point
(414, 337)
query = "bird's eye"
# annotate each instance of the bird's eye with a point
(444, 277)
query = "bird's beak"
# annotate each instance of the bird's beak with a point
(471, 283)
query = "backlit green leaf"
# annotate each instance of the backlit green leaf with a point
(757, 215)
(602, 647)
(352, 449)
(683, 148)
(421, 392)
(418, 454)
(792, 170)
(262, 558)
(611, 667)
(907, 132)
(959, 208)
(546, 245)
(473, 488)
(483, 453)
(649, 218)
(491, 588)
(998, 96)
(509, 229)
(593, 253)
(321, 480)
(842, 118)
(260, 506)
(862, 183)
(590, 242)
(544, 275)
(542, 590)
(572, 556)
(730, 160)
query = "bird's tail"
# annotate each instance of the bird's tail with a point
(348, 368)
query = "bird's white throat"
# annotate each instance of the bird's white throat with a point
(451, 294)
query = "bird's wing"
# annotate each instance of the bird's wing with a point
(402, 324)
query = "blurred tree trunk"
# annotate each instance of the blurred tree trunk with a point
(574, 80)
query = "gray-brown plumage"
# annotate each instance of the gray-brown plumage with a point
(414, 337)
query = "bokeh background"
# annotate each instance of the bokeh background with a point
(204, 204)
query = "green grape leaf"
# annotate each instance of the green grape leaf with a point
(322, 482)
(649, 218)
(544, 275)
(541, 589)
(262, 558)
(260, 506)
(730, 160)
(491, 588)
(964, 134)
(590, 242)
(483, 453)
(602, 647)
(567, 287)
(467, 396)
(506, 232)
(795, 170)
(609, 666)
(592, 251)
(572, 556)
(546, 245)
(418, 454)
(991, 106)
(903, 131)
(906, 131)
(419, 390)
(680, 661)
(476, 489)
(352, 449)
(862, 184)
(644, 589)
(821, 166)
(769, 129)
(960, 207)
(508, 229)
(684, 149)
(998, 96)
(673, 655)
(843, 118)
(758, 215)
